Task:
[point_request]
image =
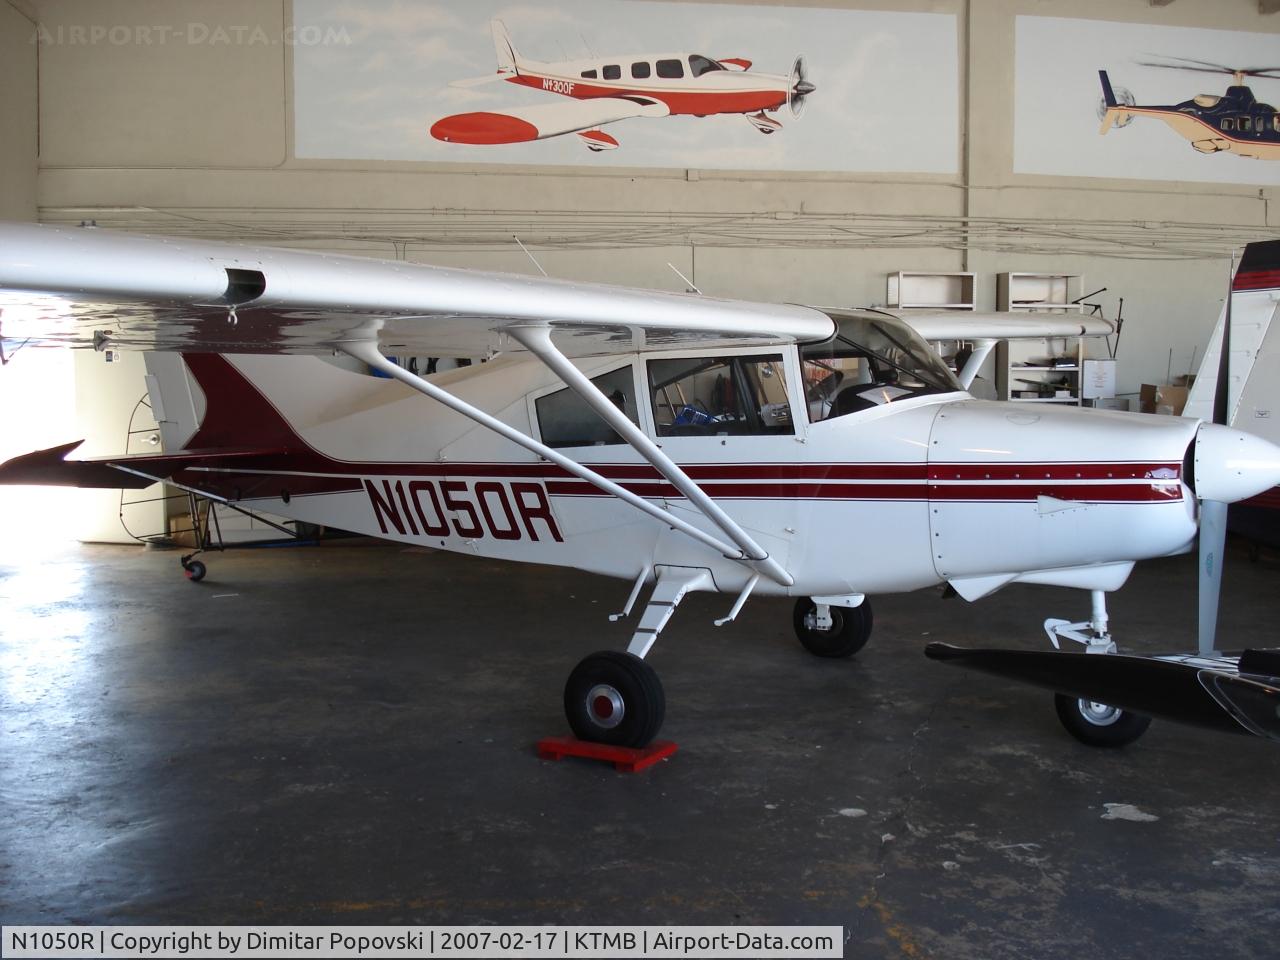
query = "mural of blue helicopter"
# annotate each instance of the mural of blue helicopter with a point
(1235, 122)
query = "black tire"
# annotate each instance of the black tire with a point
(849, 633)
(1097, 724)
(195, 570)
(615, 698)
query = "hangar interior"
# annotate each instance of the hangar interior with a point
(247, 754)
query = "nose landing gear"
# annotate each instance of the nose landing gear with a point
(1090, 722)
(830, 631)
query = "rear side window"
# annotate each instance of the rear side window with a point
(612, 71)
(720, 396)
(670, 69)
(588, 74)
(640, 70)
(565, 420)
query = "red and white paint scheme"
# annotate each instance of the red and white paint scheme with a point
(678, 442)
(605, 90)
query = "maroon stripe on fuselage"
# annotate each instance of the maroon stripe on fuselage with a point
(1055, 471)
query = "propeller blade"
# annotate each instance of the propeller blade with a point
(1213, 539)
(1154, 688)
(799, 88)
(1213, 513)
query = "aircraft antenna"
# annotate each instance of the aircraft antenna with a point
(530, 255)
(688, 283)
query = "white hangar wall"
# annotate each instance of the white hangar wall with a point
(180, 118)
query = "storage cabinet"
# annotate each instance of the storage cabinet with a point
(1039, 292)
(908, 289)
(1040, 371)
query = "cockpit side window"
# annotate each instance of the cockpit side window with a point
(870, 362)
(698, 65)
(720, 396)
(670, 69)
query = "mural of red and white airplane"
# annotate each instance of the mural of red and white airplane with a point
(604, 90)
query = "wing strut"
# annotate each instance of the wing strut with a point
(367, 352)
(537, 339)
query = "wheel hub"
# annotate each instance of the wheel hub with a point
(1099, 714)
(605, 706)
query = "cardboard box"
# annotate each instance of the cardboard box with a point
(1164, 398)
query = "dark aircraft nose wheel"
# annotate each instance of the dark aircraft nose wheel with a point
(194, 569)
(1098, 724)
(850, 629)
(615, 698)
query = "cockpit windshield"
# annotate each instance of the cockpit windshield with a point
(874, 359)
(698, 65)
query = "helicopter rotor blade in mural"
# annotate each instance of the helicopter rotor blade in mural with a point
(1204, 66)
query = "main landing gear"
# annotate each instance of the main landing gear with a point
(1090, 722)
(616, 698)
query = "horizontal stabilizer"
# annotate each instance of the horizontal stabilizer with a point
(51, 468)
(470, 82)
(1187, 690)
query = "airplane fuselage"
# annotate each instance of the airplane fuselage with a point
(924, 490)
(712, 92)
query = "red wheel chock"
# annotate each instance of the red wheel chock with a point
(625, 759)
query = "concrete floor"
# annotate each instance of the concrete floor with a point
(345, 734)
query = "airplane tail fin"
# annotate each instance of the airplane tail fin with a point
(508, 56)
(238, 426)
(1255, 362)
(1113, 116)
(1108, 95)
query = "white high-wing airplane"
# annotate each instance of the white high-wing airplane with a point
(604, 90)
(675, 441)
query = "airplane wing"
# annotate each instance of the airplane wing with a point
(85, 287)
(521, 124)
(1014, 325)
